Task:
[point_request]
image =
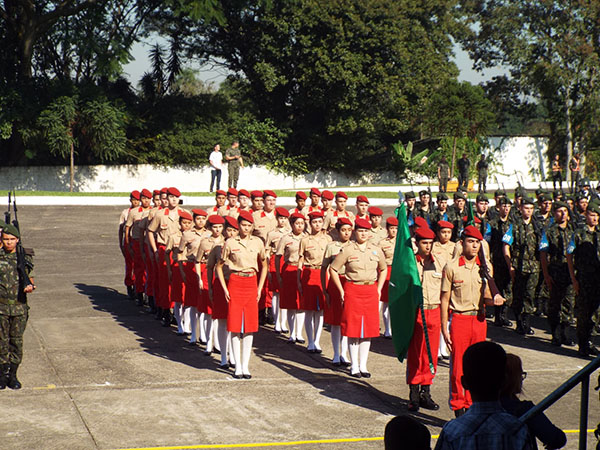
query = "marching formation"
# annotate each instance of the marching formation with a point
(218, 274)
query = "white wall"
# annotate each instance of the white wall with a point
(524, 155)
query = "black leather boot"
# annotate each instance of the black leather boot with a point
(158, 314)
(554, 329)
(414, 398)
(131, 292)
(3, 376)
(13, 382)
(565, 339)
(151, 306)
(425, 399)
(139, 300)
(527, 325)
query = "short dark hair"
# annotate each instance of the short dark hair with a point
(484, 369)
(407, 433)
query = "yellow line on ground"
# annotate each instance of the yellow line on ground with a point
(281, 444)
(40, 388)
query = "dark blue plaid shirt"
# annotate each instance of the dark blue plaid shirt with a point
(485, 426)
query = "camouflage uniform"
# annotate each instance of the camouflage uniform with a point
(501, 273)
(585, 247)
(14, 310)
(524, 242)
(562, 296)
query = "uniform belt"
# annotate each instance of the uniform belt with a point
(429, 307)
(291, 264)
(244, 274)
(362, 283)
(466, 313)
(310, 266)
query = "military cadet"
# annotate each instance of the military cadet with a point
(233, 156)
(327, 201)
(244, 203)
(521, 243)
(463, 165)
(583, 259)
(362, 207)
(574, 167)
(312, 299)
(482, 173)
(14, 310)
(258, 202)
(273, 238)
(441, 210)
(226, 209)
(365, 271)
(499, 226)
(424, 208)
(443, 173)
(580, 207)
(300, 203)
(333, 301)
(377, 231)
(556, 172)
(125, 249)
(455, 214)
(315, 197)
(544, 212)
(464, 295)
(418, 375)
(264, 222)
(443, 250)
(411, 202)
(553, 259)
(340, 211)
(245, 256)
(220, 207)
(134, 237)
(388, 245)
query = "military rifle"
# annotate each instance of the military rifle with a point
(24, 266)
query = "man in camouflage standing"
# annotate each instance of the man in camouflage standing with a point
(14, 310)
(443, 173)
(482, 173)
(233, 155)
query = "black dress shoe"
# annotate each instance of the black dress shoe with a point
(224, 366)
(318, 350)
(337, 364)
(237, 376)
(300, 341)
(247, 376)
(413, 406)
(355, 375)
(365, 374)
(345, 363)
(192, 344)
(311, 350)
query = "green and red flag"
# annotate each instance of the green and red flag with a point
(405, 291)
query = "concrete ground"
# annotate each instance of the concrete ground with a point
(100, 374)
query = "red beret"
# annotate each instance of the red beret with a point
(173, 191)
(220, 192)
(473, 232)
(282, 212)
(245, 215)
(135, 194)
(421, 222)
(244, 192)
(343, 221)
(375, 211)
(199, 212)
(316, 215)
(362, 198)
(445, 224)
(156, 192)
(475, 219)
(315, 191)
(183, 214)
(146, 193)
(392, 221)
(341, 194)
(301, 195)
(216, 220)
(231, 222)
(164, 190)
(362, 223)
(232, 191)
(256, 194)
(269, 193)
(297, 215)
(424, 233)
(327, 195)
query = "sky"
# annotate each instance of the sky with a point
(141, 63)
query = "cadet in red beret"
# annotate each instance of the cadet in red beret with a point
(362, 206)
(331, 217)
(327, 203)
(387, 246)
(146, 193)
(377, 231)
(300, 203)
(443, 247)
(126, 249)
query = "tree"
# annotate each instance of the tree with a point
(552, 49)
(459, 109)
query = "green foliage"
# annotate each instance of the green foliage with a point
(102, 129)
(56, 123)
(404, 161)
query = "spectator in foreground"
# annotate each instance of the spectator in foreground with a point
(406, 433)
(485, 425)
(539, 426)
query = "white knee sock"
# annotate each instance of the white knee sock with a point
(236, 346)
(291, 320)
(209, 333)
(275, 310)
(177, 315)
(214, 331)
(221, 326)
(308, 326)
(386, 319)
(336, 334)
(194, 324)
(363, 354)
(202, 320)
(299, 324)
(283, 319)
(344, 349)
(186, 319)
(230, 348)
(318, 325)
(353, 346)
(246, 352)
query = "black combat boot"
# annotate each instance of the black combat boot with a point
(139, 300)
(500, 319)
(151, 309)
(556, 340)
(520, 329)
(158, 314)
(131, 292)
(526, 325)
(13, 382)
(3, 376)
(565, 339)
(166, 319)
(425, 399)
(414, 398)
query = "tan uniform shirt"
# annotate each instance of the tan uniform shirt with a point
(430, 272)
(242, 255)
(148, 220)
(486, 251)
(312, 249)
(463, 281)
(331, 251)
(377, 235)
(213, 258)
(273, 239)
(173, 245)
(189, 244)
(443, 252)
(289, 248)
(124, 215)
(264, 222)
(164, 224)
(225, 210)
(388, 246)
(134, 220)
(206, 245)
(361, 265)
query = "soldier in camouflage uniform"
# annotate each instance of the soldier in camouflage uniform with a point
(499, 226)
(584, 266)
(425, 208)
(14, 310)
(521, 243)
(543, 216)
(456, 213)
(553, 258)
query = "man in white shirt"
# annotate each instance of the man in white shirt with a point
(216, 162)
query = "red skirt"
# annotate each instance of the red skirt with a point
(333, 312)
(386, 286)
(129, 277)
(139, 268)
(177, 286)
(274, 283)
(192, 286)
(204, 305)
(150, 273)
(164, 287)
(288, 294)
(220, 307)
(360, 317)
(312, 292)
(243, 307)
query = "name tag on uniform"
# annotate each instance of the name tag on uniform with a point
(437, 275)
(235, 250)
(353, 258)
(310, 247)
(164, 226)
